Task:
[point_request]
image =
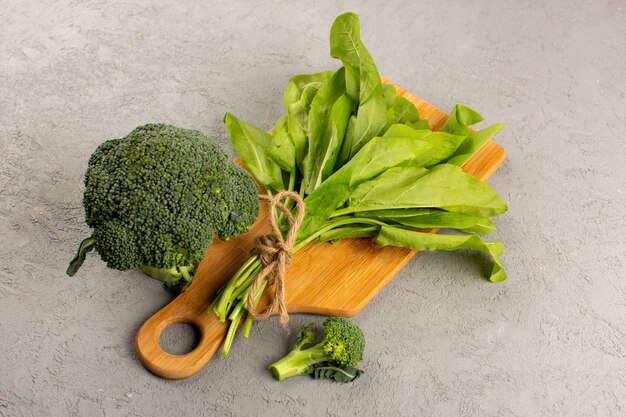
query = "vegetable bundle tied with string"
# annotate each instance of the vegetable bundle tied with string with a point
(365, 165)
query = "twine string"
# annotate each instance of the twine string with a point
(274, 250)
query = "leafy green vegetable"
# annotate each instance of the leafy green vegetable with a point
(350, 231)
(435, 219)
(394, 236)
(298, 97)
(443, 144)
(444, 186)
(325, 133)
(404, 111)
(363, 82)
(282, 150)
(399, 109)
(458, 123)
(460, 119)
(340, 117)
(390, 96)
(420, 125)
(376, 157)
(473, 143)
(252, 145)
(366, 165)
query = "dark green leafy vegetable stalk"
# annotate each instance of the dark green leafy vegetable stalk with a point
(366, 165)
(334, 357)
(156, 198)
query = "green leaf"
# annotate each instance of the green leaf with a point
(343, 374)
(377, 156)
(328, 118)
(473, 143)
(363, 84)
(298, 97)
(282, 151)
(459, 120)
(398, 130)
(420, 125)
(404, 111)
(349, 232)
(339, 120)
(371, 119)
(252, 144)
(396, 179)
(399, 110)
(444, 186)
(362, 77)
(436, 219)
(395, 236)
(383, 154)
(444, 145)
(390, 94)
(346, 146)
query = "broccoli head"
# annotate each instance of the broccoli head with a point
(156, 198)
(341, 348)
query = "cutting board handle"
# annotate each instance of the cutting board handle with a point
(180, 310)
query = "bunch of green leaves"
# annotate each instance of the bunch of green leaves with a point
(366, 165)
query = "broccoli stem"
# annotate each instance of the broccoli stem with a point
(85, 246)
(298, 362)
(166, 275)
(184, 270)
(177, 278)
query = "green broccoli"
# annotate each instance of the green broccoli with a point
(342, 348)
(156, 198)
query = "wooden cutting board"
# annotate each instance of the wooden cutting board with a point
(318, 281)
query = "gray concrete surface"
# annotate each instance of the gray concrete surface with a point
(550, 341)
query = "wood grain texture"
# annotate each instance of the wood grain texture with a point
(318, 281)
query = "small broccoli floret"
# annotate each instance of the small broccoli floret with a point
(156, 198)
(342, 346)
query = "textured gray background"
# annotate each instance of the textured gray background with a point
(549, 341)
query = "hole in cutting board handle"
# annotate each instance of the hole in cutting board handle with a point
(180, 338)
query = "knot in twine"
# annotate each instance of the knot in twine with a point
(275, 253)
